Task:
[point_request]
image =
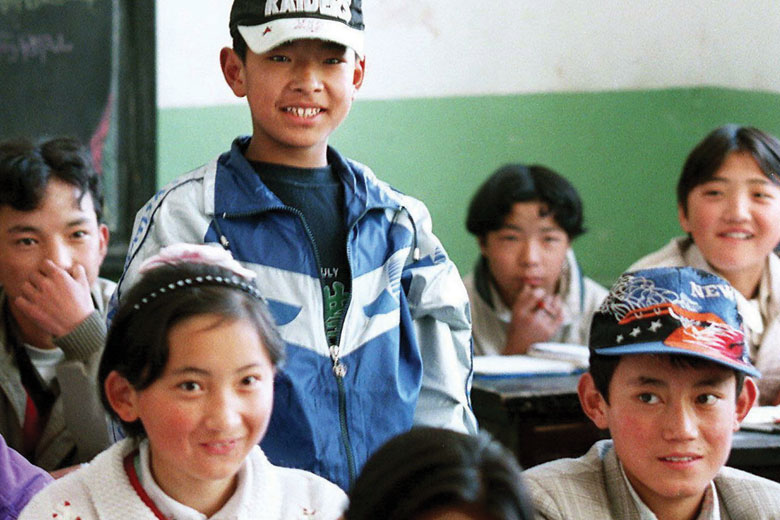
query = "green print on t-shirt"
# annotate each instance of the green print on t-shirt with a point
(335, 302)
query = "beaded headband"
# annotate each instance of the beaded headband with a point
(201, 280)
(183, 253)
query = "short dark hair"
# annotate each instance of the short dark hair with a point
(239, 44)
(514, 183)
(27, 167)
(427, 468)
(602, 368)
(707, 157)
(137, 341)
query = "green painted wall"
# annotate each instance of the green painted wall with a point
(622, 150)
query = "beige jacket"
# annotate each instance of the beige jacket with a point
(593, 487)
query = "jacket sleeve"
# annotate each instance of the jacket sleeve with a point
(77, 375)
(175, 214)
(439, 307)
(20, 481)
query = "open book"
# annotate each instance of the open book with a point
(542, 359)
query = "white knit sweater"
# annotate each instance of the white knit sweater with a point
(102, 490)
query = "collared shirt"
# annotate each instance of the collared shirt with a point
(710, 508)
(755, 312)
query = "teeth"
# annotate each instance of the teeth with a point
(303, 112)
(738, 235)
(679, 459)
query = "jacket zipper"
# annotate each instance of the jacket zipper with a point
(339, 369)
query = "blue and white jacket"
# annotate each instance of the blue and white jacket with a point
(406, 337)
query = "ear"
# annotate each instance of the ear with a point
(483, 244)
(359, 73)
(122, 397)
(683, 218)
(233, 70)
(592, 402)
(745, 401)
(103, 236)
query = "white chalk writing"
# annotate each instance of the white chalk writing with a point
(25, 48)
(31, 5)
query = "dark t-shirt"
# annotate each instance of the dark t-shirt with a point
(318, 195)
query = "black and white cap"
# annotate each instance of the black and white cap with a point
(265, 24)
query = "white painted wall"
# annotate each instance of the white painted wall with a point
(435, 48)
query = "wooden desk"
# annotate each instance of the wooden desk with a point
(540, 419)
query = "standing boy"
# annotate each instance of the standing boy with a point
(52, 243)
(373, 311)
(668, 379)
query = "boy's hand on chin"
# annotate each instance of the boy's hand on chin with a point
(536, 317)
(57, 300)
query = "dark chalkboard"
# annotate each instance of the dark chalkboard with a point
(85, 68)
(55, 65)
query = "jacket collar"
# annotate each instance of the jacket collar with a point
(620, 502)
(238, 190)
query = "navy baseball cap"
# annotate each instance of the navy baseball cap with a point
(265, 24)
(672, 310)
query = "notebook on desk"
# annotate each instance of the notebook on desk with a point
(579, 355)
(487, 367)
(762, 419)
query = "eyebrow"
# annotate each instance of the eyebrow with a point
(204, 372)
(21, 228)
(762, 181)
(647, 381)
(546, 229)
(709, 381)
(713, 380)
(26, 228)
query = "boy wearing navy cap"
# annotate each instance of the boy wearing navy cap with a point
(373, 311)
(671, 380)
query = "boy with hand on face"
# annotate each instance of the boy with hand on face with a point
(527, 286)
(670, 378)
(52, 243)
(373, 312)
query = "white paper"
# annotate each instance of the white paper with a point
(577, 354)
(520, 365)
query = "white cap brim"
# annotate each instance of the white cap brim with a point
(263, 38)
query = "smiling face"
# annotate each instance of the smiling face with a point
(671, 425)
(529, 249)
(298, 94)
(734, 219)
(63, 229)
(208, 409)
